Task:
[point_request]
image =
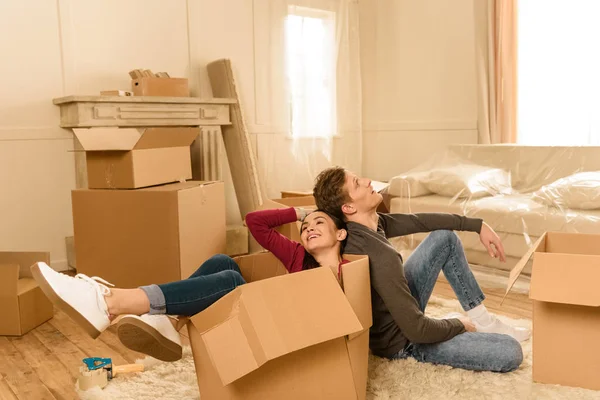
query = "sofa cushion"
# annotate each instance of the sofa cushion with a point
(410, 184)
(468, 181)
(579, 191)
(517, 213)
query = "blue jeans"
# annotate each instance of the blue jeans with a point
(443, 251)
(216, 277)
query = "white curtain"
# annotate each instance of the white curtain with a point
(314, 91)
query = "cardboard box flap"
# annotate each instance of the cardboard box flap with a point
(539, 245)
(566, 279)
(104, 139)
(260, 266)
(276, 317)
(154, 138)
(25, 259)
(356, 282)
(25, 285)
(303, 201)
(9, 277)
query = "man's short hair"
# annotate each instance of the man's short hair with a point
(329, 191)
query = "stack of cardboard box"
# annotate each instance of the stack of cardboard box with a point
(142, 220)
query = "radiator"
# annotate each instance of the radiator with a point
(208, 155)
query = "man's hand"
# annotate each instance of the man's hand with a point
(469, 326)
(492, 242)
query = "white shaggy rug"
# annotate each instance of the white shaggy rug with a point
(388, 380)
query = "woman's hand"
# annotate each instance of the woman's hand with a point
(492, 242)
(300, 213)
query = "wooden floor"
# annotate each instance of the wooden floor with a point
(44, 363)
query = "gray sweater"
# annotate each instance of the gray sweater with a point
(397, 319)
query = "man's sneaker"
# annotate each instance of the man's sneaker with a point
(80, 297)
(497, 326)
(153, 335)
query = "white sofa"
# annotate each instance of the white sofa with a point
(517, 212)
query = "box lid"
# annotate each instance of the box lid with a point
(126, 139)
(566, 269)
(14, 266)
(25, 259)
(566, 279)
(266, 319)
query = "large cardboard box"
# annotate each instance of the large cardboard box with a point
(129, 158)
(167, 87)
(292, 230)
(24, 305)
(286, 336)
(566, 308)
(152, 235)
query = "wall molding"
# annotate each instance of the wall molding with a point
(424, 125)
(8, 133)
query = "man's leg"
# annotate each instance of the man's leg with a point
(442, 251)
(473, 351)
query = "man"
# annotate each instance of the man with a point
(400, 292)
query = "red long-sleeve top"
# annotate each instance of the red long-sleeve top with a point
(262, 226)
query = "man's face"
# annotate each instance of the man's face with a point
(363, 197)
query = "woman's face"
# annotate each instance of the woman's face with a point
(319, 232)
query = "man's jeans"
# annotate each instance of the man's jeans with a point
(443, 251)
(216, 277)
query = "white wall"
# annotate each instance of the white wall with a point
(52, 48)
(418, 78)
(417, 68)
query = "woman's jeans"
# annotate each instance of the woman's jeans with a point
(216, 277)
(443, 251)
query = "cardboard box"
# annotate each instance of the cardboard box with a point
(152, 235)
(237, 240)
(24, 305)
(130, 158)
(286, 336)
(291, 230)
(154, 86)
(566, 308)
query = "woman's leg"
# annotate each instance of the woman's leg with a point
(193, 295)
(217, 263)
(151, 298)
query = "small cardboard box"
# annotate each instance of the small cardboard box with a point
(130, 158)
(24, 305)
(286, 336)
(151, 235)
(166, 87)
(291, 230)
(566, 308)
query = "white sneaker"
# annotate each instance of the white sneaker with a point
(453, 315)
(497, 326)
(153, 335)
(80, 297)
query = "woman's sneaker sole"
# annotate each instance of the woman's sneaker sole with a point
(137, 335)
(61, 304)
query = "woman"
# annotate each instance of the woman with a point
(151, 322)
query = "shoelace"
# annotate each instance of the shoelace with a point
(97, 282)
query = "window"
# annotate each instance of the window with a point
(559, 72)
(310, 71)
